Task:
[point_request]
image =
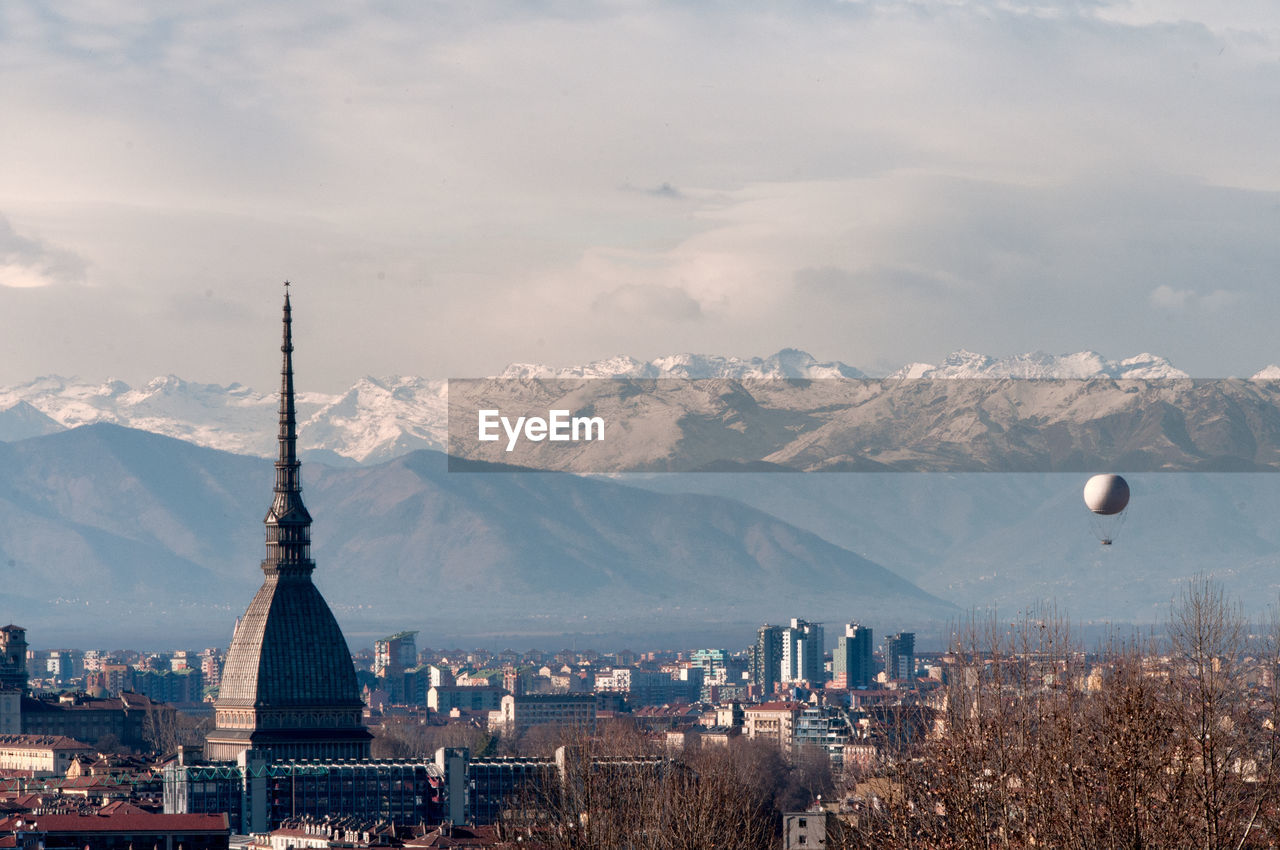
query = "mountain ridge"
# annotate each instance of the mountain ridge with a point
(106, 530)
(379, 418)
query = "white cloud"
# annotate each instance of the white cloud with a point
(1168, 298)
(639, 301)
(27, 262)
(981, 174)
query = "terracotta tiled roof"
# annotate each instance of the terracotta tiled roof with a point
(130, 822)
(476, 836)
(677, 710)
(776, 706)
(42, 742)
(122, 807)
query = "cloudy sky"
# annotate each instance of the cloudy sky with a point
(453, 186)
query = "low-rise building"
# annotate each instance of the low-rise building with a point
(39, 756)
(519, 714)
(814, 828)
(772, 721)
(132, 828)
(259, 796)
(446, 698)
(85, 719)
(824, 728)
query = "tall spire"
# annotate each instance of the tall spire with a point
(288, 522)
(288, 688)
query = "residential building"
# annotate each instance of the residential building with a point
(445, 699)
(853, 663)
(121, 718)
(766, 658)
(132, 827)
(646, 687)
(825, 728)
(393, 656)
(40, 756)
(519, 714)
(900, 656)
(814, 828)
(185, 685)
(802, 653)
(772, 721)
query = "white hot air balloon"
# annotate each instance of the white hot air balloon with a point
(1107, 497)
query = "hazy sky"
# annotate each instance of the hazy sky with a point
(456, 185)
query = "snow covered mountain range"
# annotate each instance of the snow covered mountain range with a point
(1040, 366)
(377, 419)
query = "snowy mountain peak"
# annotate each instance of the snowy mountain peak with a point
(165, 383)
(1267, 373)
(787, 363)
(611, 367)
(379, 418)
(1037, 365)
(113, 387)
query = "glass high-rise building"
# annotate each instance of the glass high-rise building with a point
(766, 658)
(900, 655)
(852, 665)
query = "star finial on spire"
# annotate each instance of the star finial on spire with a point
(286, 284)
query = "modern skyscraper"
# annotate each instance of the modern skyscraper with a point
(802, 653)
(900, 655)
(852, 665)
(766, 658)
(289, 687)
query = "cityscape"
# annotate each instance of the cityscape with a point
(286, 738)
(639, 425)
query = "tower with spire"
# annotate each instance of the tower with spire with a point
(288, 687)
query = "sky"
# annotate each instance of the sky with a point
(454, 186)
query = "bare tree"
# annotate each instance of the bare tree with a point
(410, 738)
(1207, 641)
(1034, 748)
(710, 798)
(164, 728)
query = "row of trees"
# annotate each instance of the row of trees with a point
(1166, 743)
(721, 797)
